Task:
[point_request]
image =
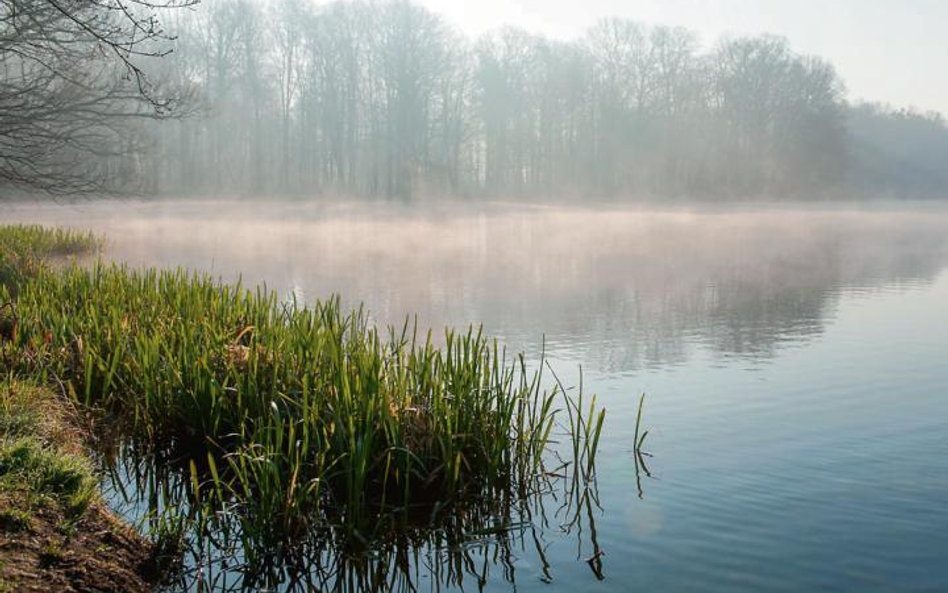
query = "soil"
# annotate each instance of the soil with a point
(44, 552)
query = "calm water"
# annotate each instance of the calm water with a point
(794, 360)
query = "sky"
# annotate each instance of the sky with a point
(893, 51)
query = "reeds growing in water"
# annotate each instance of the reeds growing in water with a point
(289, 418)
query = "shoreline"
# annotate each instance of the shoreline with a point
(56, 531)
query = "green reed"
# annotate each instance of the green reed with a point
(292, 417)
(41, 241)
(24, 249)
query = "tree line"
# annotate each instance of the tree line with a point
(385, 98)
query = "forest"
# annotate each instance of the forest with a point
(366, 98)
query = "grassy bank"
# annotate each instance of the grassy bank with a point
(288, 419)
(39, 456)
(56, 534)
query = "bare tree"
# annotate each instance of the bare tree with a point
(382, 97)
(72, 77)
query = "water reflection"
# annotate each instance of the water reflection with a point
(619, 289)
(465, 546)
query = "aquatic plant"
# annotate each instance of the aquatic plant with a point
(451, 544)
(40, 241)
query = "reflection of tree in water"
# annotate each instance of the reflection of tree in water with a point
(619, 289)
(760, 289)
(790, 298)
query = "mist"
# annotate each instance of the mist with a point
(388, 99)
(741, 281)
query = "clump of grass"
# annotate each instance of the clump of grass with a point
(18, 415)
(295, 406)
(41, 461)
(40, 241)
(30, 410)
(27, 464)
(52, 552)
(14, 519)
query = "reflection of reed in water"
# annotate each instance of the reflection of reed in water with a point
(445, 545)
(639, 454)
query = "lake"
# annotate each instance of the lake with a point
(793, 357)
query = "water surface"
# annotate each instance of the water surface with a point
(793, 357)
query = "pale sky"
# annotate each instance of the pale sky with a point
(892, 51)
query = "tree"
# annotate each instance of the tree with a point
(782, 116)
(72, 78)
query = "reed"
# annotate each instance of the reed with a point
(25, 249)
(46, 242)
(292, 417)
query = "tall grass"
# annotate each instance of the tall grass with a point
(24, 249)
(293, 417)
(40, 241)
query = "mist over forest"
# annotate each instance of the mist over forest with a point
(296, 97)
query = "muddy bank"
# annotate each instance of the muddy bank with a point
(49, 552)
(56, 532)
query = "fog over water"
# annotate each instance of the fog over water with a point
(637, 285)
